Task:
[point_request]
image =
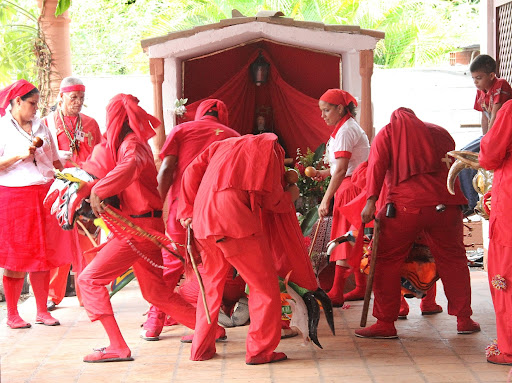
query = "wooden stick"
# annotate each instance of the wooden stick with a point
(314, 237)
(371, 273)
(82, 226)
(196, 271)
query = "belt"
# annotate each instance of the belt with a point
(149, 214)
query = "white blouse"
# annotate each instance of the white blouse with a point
(15, 141)
(350, 142)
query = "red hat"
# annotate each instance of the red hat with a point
(19, 88)
(338, 97)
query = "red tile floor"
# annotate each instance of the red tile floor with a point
(428, 351)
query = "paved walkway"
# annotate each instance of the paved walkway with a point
(429, 350)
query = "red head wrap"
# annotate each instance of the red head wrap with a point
(124, 107)
(73, 88)
(213, 104)
(413, 146)
(338, 97)
(19, 88)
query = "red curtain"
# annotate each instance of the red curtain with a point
(296, 117)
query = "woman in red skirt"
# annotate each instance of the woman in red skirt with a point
(348, 146)
(28, 233)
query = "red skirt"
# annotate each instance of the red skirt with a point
(31, 237)
(340, 225)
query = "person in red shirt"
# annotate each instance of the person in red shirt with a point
(496, 147)
(75, 135)
(409, 155)
(223, 192)
(183, 144)
(491, 92)
(127, 170)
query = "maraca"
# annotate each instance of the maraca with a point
(310, 171)
(37, 142)
(291, 176)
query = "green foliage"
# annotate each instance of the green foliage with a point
(62, 6)
(19, 34)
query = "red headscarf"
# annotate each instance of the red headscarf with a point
(212, 104)
(412, 144)
(338, 97)
(252, 163)
(19, 88)
(124, 107)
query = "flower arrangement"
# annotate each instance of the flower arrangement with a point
(311, 191)
(179, 107)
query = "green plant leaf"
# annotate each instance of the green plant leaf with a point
(319, 152)
(62, 6)
(309, 220)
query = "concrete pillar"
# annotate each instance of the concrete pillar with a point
(366, 71)
(156, 71)
(56, 35)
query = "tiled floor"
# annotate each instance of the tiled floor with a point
(428, 351)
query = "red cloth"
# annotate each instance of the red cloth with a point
(424, 188)
(124, 108)
(18, 88)
(250, 256)
(213, 105)
(415, 199)
(499, 93)
(28, 232)
(186, 141)
(295, 115)
(495, 149)
(338, 97)
(73, 88)
(90, 128)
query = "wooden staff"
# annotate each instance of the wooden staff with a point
(371, 273)
(196, 271)
(87, 233)
(314, 237)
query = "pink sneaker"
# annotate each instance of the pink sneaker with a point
(152, 328)
(380, 330)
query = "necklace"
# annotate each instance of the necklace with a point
(29, 137)
(74, 143)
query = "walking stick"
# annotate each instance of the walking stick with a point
(87, 233)
(196, 271)
(371, 273)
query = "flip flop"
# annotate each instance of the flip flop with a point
(100, 355)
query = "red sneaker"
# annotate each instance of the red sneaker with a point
(430, 309)
(500, 359)
(274, 357)
(101, 355)
(355, 295)
(466, 325)
(153, 326)
(404, 309)
(15, 322)
(380, 330)
(46, 319)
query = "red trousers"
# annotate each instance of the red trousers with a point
(499, 263)
(443, 233)
(251, 257)
(113, 260)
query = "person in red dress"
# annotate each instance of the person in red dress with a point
(28, 156)
(185, 142)
(409, 155)
(126, 168)
(75, 135)
(495, 150)
(223, 193)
